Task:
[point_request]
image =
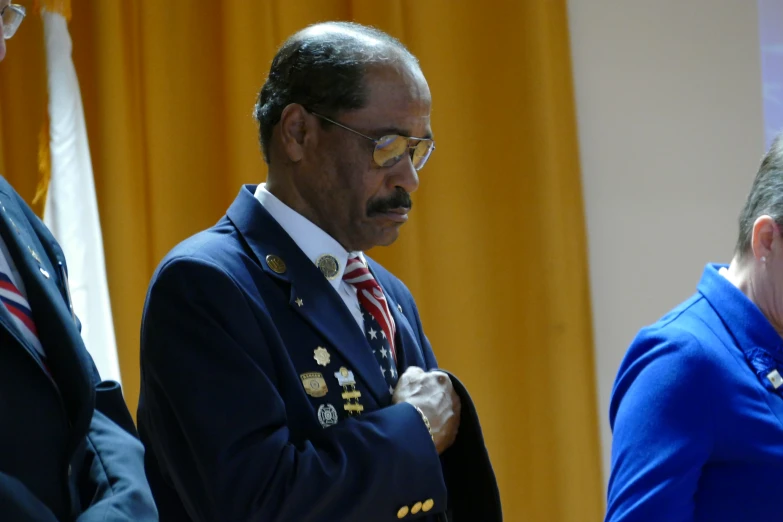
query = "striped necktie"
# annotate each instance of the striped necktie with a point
(375, 311)
(20, 311)
(371, 297)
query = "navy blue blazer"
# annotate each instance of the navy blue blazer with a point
(232, 433)
(697, 414)
(68, 446)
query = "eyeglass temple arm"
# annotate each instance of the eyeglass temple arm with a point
(359, 133)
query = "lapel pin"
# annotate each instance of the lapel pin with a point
(775, 378)
(299, 302)
(321, 356)
(344, 377)
(34, 254)
(44, 272)
(314, 384)
(350, 394)
(328, 266)
(327, 415)
(275, 263)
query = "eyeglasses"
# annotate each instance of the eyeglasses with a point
(389, 150)
(12, 14)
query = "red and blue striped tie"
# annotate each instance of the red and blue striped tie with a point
(20, 311)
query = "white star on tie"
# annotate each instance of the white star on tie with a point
(383, 352)
(299, 302)
(394, 373)
(373, 333)
(383, 333)
(383, 370)
(391, 390)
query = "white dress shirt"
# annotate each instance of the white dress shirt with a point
(314, 242)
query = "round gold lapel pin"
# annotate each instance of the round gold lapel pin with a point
(275, 263)
(328, 266)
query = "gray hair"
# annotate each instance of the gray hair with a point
(765, 198)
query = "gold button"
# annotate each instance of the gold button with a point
(416, 508)
(427, 504)
(403, 512)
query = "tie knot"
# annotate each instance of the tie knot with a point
(357, 273)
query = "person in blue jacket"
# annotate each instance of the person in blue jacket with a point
(68, 446)
(697, 406)
(285, 375)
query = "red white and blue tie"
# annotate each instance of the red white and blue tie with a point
(20, 311)
(375, 310)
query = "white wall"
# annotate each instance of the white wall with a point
(670, 126)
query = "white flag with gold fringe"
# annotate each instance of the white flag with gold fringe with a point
(71, 209)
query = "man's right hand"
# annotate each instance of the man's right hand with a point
(433, 393)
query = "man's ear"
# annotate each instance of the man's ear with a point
(294, 131)
(764, 232)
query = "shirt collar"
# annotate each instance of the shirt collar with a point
(311, 239)
(750, 328)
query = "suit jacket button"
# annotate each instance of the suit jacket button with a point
(403, 512)
(415, 508)
(428, 504)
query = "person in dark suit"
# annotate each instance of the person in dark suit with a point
(68, 446)
(285, 375)
(697, 406)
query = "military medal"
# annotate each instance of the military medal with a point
(328, 266)
(314, 384)
(321, 356)
(350, 393)
(327, 415)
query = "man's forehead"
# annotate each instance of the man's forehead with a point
(398, 100)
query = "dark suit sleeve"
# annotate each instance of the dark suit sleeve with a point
(213, 417)
(18, 503)
(116, 475)
(115, 487)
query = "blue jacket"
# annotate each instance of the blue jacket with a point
(68, 446)
(230, 432)
(697, 420)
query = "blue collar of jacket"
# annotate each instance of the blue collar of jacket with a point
(751, 330)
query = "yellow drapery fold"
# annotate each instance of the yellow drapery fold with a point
(495, 251)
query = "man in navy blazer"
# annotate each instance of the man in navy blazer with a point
(68, 446)
(285, 375)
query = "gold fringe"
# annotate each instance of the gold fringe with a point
(44, 162)
(62, 7)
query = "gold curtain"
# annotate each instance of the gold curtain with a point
(495, 252)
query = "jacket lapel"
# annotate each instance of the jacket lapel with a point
(311, 295)
(54, 322)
